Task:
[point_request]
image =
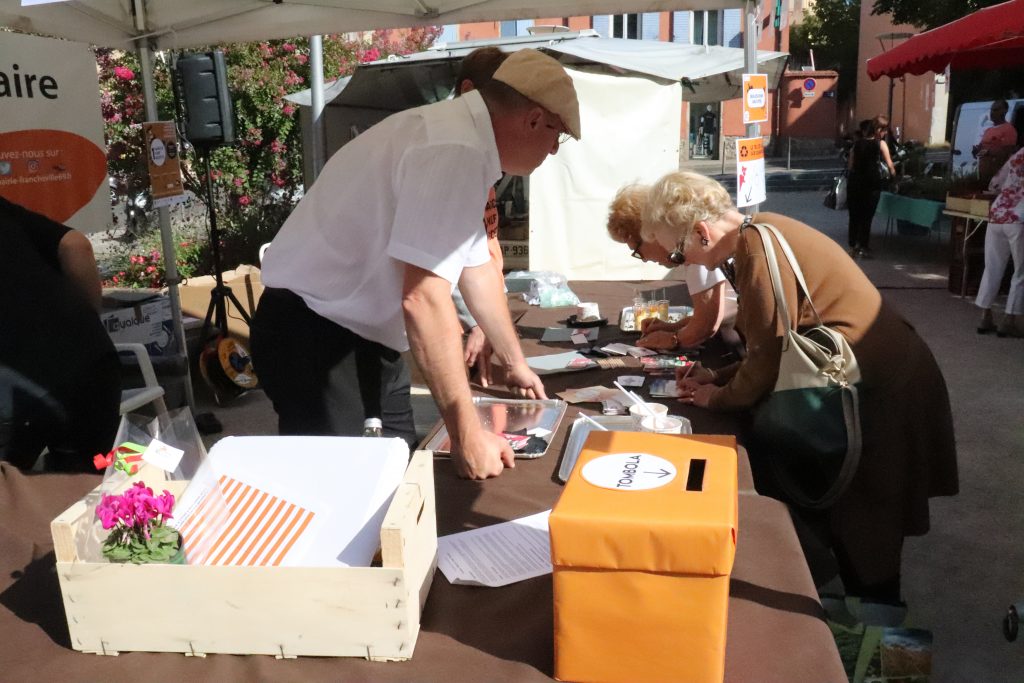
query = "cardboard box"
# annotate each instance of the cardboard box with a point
(243, 281)
(139, 316)
(368, 612)
(642, 544)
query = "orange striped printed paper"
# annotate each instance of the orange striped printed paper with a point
(238, 524)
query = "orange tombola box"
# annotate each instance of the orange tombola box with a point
(642, 544)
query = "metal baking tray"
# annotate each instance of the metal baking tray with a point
(498, 415)
(578, 434)
(675, 314)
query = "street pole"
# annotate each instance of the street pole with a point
(316, 83)
(166, 237)
(750, 35)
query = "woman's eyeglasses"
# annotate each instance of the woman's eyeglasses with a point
(636, 252)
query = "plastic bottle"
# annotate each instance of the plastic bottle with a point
(372, 426)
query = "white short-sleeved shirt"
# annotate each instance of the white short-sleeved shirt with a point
(699, 279)
(409, 190)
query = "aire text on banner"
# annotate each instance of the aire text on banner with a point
(53, 158)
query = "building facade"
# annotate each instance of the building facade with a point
(703, 126)
(918, 102)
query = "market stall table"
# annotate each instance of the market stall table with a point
(776, 629)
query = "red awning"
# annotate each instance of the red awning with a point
(989, 38)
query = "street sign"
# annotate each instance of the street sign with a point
(750, 185)
(755, 98)
(808, 87)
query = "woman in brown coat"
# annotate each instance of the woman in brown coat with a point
(908, 452)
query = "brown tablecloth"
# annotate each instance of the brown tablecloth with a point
(776, 630)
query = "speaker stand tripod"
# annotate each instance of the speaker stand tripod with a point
(215, 324)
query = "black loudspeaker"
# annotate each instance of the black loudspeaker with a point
(201, 86)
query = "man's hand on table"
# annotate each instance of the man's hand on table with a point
(478, 355)
(482, 455)
(524, 382)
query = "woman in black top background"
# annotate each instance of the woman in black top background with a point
(864, 184)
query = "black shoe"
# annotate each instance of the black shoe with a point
(989, 329)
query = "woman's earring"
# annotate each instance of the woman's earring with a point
(704, 241)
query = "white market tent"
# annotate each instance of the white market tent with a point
(629, 91)
(173, 24)
(177, 24)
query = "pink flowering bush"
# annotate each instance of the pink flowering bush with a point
(147, 269)
(137, 523)
(258, 179)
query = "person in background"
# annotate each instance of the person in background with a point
(1004, 239)
(997, 143)
(864, 184)
(366, 263)
(476, 70)
(60, 381)
(908, 453)
(714, 299)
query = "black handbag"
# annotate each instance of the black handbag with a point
(810, 422)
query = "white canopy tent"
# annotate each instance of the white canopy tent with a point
(629, 92)
(174, 24)
(177, 24)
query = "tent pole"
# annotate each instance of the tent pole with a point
(166, 237)
(316, 85)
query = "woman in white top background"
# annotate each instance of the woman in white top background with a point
(1004, 239)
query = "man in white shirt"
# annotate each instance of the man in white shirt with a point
(364, 267)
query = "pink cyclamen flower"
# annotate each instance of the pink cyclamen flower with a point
(288, 110)
(239, 182)
(244, 200)
(164, 503)
(124, 73)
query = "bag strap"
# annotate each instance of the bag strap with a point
(764, 230)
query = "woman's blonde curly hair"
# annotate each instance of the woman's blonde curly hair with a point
(679, 200)
(625, 213)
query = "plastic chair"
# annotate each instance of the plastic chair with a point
(151, 392)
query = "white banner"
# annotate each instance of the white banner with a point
(750, 182)
(53, 158)
(630, 134)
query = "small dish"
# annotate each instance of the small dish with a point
(573, 321)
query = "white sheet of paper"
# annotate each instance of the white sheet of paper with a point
(497, 555)
(631, 380)
(556, 362)
(347, 481)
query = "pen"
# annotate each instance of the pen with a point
(688, 371)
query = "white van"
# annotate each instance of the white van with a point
(972, 119)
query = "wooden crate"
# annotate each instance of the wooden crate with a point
(369, 612)
(975, 206)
